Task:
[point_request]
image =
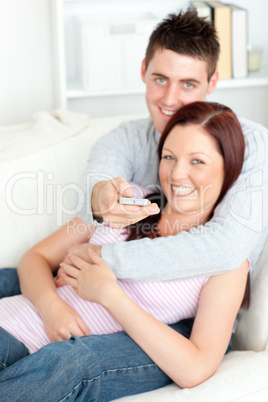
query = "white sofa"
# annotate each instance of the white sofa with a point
(40, 163)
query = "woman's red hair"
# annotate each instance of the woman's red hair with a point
(221, 124)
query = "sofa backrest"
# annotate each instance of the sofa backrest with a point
(40, 166)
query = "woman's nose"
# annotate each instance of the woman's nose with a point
(179, 171)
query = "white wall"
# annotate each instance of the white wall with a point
(26, 76)
(26, 62)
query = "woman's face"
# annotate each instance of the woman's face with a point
(191, 170)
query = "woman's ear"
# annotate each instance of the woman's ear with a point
(143, 70)
(213, 82)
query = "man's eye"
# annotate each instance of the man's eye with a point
(161, 80)
(188, 85)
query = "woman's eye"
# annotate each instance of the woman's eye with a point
(168, 157)
(197, 162)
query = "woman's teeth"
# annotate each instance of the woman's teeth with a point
(183, 190)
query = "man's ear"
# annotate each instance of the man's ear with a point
(143, 70)
(213, 82)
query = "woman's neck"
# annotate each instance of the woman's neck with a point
(172, 223)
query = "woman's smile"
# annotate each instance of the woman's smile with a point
(182, 191)
(191, 170)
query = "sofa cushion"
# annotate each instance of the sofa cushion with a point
(252, 325)
(242, 376)
(39, 173)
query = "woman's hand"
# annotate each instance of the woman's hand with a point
(80, 250)
(93, 281)
(61, 321)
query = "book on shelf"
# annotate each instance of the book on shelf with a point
(239, 41)
(203, 9)
(222, 19)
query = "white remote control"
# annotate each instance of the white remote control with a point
(141, 202)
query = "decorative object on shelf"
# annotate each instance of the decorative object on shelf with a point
(111, 50)
(254, 58)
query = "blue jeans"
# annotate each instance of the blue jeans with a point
(91, 368)
(9, 282)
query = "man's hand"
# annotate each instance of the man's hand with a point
(105, 204)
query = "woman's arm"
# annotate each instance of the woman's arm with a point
(187, 362)
(37, 283)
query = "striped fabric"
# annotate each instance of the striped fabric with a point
(167, 301)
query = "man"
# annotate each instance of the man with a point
(180, 67)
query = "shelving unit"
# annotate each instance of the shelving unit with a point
(71, 95)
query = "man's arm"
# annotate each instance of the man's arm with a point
(222, 244)
(129, 151)
(235, 230)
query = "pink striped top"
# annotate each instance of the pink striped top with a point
(169, 302)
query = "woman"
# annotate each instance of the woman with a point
(201, 154)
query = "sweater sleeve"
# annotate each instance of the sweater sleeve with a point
(116, 154)
(221, 245)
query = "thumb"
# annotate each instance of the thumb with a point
(83, 326)
(122, 187)
(95, 258)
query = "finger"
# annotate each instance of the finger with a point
(63, 335)
(122, 187)
(77, 330)
(80, 262)
(60, 281)
(70, 270)
(70, 281)
(94, 256)
(124, 210)
(70, 331)
(67, 259)
(121, 222)
(59, 272)
(153, 209)
(79, 252)
(128, 211)
(85, 330)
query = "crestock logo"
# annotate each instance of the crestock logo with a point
(36, 193)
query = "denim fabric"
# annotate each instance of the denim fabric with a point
(11, 349)
(9, 282)
(91, 368)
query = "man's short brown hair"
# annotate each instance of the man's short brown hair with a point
(187, 34)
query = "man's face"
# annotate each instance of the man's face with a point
(173, 80)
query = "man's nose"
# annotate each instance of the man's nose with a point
(171, 97)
